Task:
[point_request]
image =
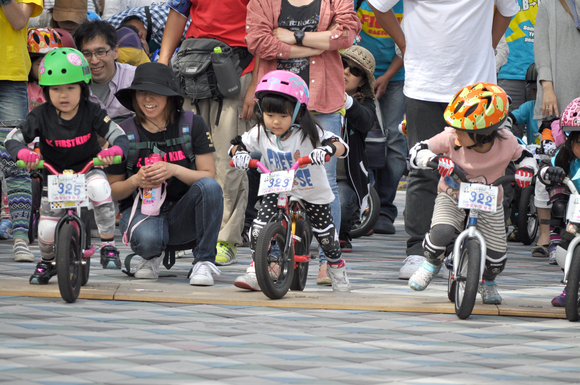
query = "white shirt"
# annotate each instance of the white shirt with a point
(310, 182)
(448, 44)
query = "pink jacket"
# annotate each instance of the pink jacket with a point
(326, 84)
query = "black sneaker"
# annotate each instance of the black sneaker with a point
(44, 271)
(110, 257)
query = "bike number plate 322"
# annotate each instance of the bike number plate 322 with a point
(478, 196)
(573, 211)
(66, 190)
(276, 182)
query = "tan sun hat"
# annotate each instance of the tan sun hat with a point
(70, 10)
(365, 60)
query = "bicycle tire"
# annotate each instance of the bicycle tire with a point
(467, 282)
(369, 217)
(301, 248)
(528, 222)
(86, 267)
(273, 286)
(35, 196)
(572, 303)
(69, 263)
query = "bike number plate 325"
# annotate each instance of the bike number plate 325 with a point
(276, 182)
(478, 196)
(573, 211)
(66, 190)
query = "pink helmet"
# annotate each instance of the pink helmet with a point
(570, 119)
(285, 83)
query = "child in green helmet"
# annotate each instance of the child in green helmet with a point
(68, 126)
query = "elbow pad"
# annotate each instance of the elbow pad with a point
(420, 154)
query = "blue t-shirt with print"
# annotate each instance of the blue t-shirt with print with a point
(520, 40)
(375, 39)
(525, 115)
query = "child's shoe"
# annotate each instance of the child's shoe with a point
(44, 271)
(552, 256)
(110, 257)
(5, 229)
(424, 275)
(489, 294)
(248, 281)
(560, 301)
(226, 254)
(338, 278)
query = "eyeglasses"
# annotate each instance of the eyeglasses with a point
(355, 71)
(99, 54)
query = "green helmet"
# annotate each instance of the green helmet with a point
(64, 66)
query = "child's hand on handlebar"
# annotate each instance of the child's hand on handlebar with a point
(524, 176)
(446, 166)
(241, 160)
(554, 175)
(318, 155)
(108, 155)
(30, 158)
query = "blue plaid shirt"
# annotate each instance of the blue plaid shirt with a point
(159, 15)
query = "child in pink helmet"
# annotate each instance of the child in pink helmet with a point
(286, 130)
(566, 162)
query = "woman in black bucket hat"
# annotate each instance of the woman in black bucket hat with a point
(193, 205)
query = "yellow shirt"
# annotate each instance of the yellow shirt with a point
(14, 61)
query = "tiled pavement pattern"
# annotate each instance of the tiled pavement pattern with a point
(46, 341)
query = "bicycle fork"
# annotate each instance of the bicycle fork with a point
(470, 232)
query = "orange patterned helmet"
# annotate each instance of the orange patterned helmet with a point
(43, 40)
(479, 108)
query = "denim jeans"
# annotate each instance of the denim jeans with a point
(333, 123)
(386, 180)
(348, 206)
(14, 97)
(424, 120)
(197, 216)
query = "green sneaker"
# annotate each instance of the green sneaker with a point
(226, 254)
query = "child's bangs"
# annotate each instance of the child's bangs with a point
(276, 104)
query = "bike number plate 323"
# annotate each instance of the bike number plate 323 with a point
(276, 182)
(573, 211)
(478, 196)
(66, 190)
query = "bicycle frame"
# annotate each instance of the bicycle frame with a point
(570, 252)
(470, 232)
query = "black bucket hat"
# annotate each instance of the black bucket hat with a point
(153, 77)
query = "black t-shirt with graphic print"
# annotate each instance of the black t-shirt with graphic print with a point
(201, 144)
(304, 18)
(67, 144)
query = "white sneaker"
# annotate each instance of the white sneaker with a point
(338, 277)
(201, 274)
(148, 268)
(412, 263)
(248, 281)
(424, 275)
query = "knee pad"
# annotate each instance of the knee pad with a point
(431, 251)
(328, 240)
(254, 233)
(99, 190)
(494, 265)
(46, 229)
(558, 209)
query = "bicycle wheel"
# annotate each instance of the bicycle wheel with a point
(369, 217)
(301, 248)
(572, 302)
(528, 222)
(467, 281)
(86, 267)
(69, 263)
(274, 270)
